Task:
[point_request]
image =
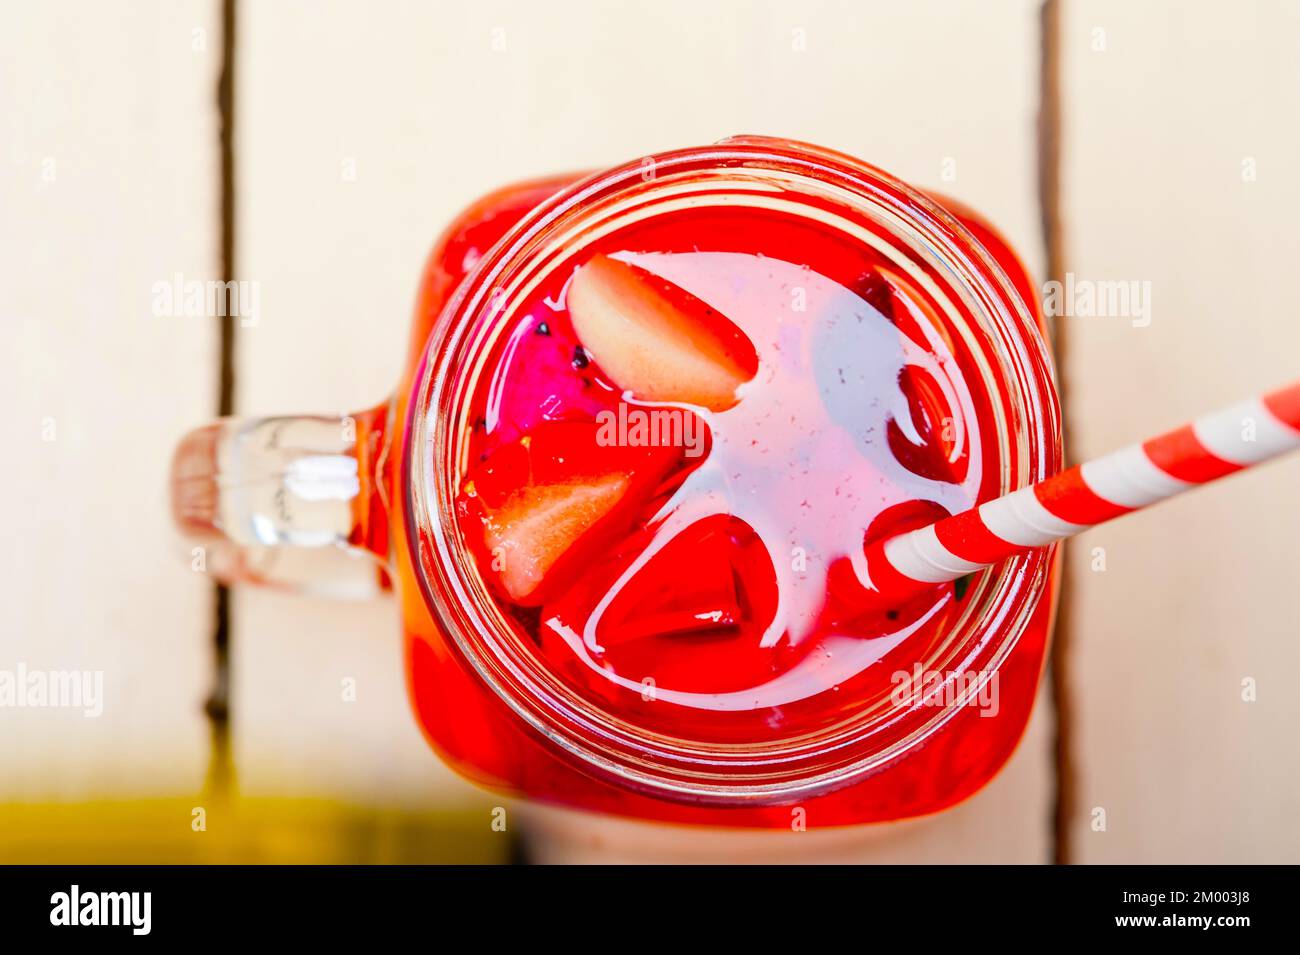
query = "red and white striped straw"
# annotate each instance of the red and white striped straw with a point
(1209, 448)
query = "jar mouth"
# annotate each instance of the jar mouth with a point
(1000, 601)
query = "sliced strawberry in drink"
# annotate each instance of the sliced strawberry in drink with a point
(940, 454)
(875, 290)
(534, 508)
(687, 587)
(694, 596)
(693, 617)
(656, 340)
(539, 525)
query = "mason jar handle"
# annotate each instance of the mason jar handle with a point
(298, 503)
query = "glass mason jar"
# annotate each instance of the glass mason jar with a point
(365, 503)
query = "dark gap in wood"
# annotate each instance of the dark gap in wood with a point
(220, 764)
(1053, 232)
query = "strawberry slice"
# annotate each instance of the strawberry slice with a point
(537, 526)
(712, 579)
(938, 456)
(656, 340)
(692, 618)
(875, 290)
(533, 509)
(689, 586)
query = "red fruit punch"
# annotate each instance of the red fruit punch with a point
(668, 460)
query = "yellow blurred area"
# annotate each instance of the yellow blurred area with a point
(266, 831)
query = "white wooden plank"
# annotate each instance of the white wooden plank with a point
(1181, 159)
(109, 185)
(430, 107)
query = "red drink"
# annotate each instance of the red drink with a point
(692, 591)
(657, 517)
(649, 421)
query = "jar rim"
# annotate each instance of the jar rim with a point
(454, 591)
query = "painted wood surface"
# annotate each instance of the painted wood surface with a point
(1179, 176)
(362, 128)
(109, 186)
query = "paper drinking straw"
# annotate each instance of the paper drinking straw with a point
(1074, 500)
